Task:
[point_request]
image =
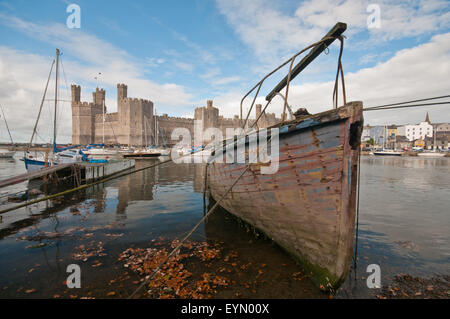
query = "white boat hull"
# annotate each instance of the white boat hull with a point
(101, 152)
(7, 154)
(384, 153)
(431, 154)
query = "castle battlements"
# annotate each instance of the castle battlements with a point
(136, 100)
(109, 117)
(83, 104)
(165, 117)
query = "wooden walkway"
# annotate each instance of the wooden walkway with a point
(39, 173)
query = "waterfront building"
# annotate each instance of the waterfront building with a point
(419, 143)
(442, 129)
(416, 131)
(402, 142)
(391, 134)
(377, 133)
(365, 136)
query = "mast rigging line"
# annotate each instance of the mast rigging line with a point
(377, 108)
(6, 123)
(65, 83)
(40, 108)
(413, 101)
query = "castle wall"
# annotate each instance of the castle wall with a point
(112, 128)
(83, 122)
(167, 124)
(134, 122)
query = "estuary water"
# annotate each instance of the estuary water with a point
(404, 227)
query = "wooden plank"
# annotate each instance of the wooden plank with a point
(27, 176)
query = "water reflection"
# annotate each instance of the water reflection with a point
(404, 227)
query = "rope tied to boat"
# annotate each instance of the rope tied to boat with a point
(205, 216)
(176, 249)
(355, 256)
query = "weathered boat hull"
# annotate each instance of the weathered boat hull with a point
(308, 206)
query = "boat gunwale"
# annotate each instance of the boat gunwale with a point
(325, 117)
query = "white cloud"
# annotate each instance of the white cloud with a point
(273, 34)
(154, 62)
(226, 80)
(211, 73)
(187, 67)
(24, 75)
(113, 26)
(419, 72)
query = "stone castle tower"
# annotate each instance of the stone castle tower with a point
(83, 115)
(132, 124)
(209, 115)
(135, 118)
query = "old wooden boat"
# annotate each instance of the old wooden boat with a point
(308, 205)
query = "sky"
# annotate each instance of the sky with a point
(179, 54)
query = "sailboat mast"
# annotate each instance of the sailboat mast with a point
(103, 138)
(6, 123)
(434, 138)
(145, 131)
(56, 99)
(156, 130)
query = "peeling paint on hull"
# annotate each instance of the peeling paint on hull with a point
(308, 206)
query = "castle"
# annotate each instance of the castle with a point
(135, 124)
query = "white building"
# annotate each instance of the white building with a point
(365, 136)
(417, 131)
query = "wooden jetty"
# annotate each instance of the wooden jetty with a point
(85, 171)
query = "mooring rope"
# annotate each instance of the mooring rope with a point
(377, 108)
(205, 216)
(357, 209)
(407, 104)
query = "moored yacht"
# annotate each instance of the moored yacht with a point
(387, 152)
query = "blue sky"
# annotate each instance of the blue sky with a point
(180, 53)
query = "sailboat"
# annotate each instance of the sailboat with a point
(146, 151)
(7, 153)
(59, 155)
(386, 151)
(433, 152)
